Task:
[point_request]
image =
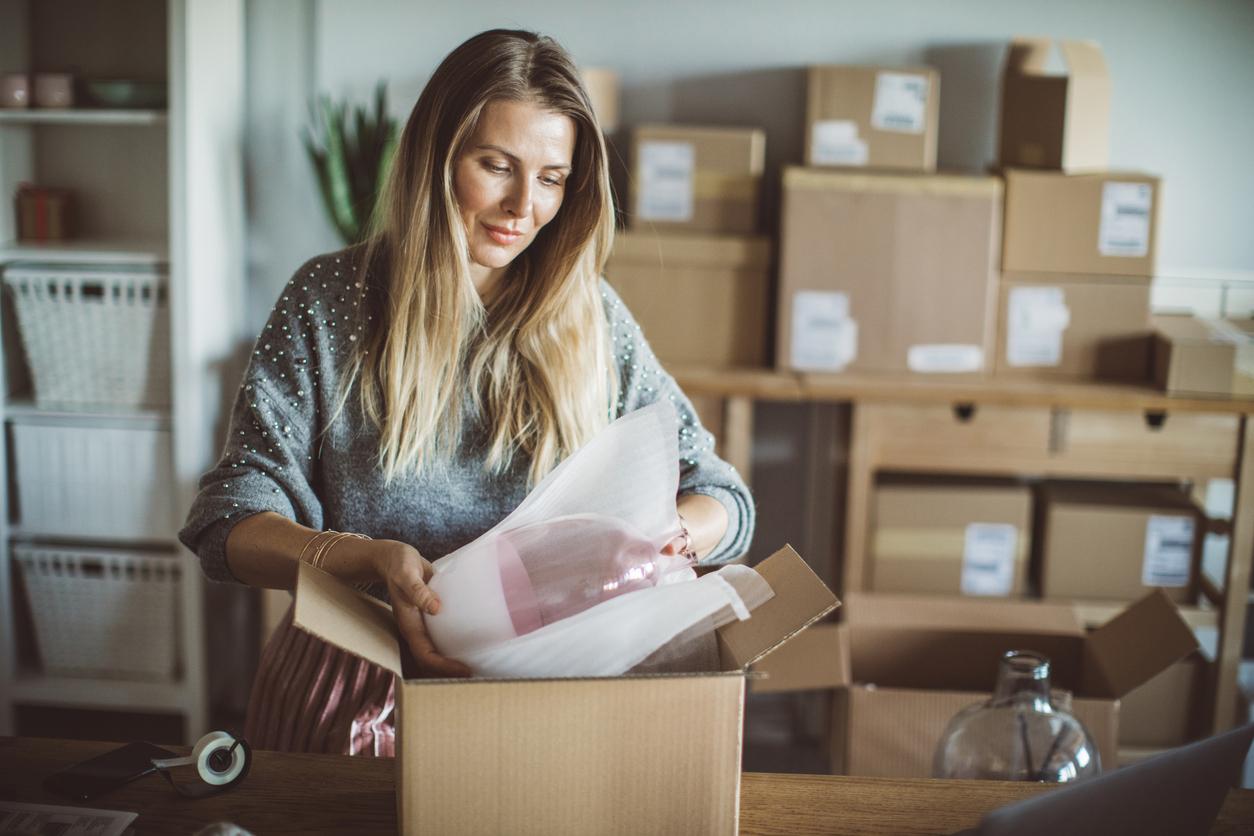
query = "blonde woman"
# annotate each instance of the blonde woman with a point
(407, 393)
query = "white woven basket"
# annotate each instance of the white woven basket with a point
(102, 613)
(94, 335)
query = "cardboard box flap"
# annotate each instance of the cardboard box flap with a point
(1029, 56)
(818, 658)
(348, 619)
(800, 599)
(1134, 646)
(1084, 59)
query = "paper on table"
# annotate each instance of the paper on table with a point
(16, 817)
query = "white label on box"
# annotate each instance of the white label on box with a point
(1036, 318)
(824, 336)
(900, 103)
(666, 173)
(953, 358)
(1125, 227)
(988, 559)
(836, 142)
(1168, 551)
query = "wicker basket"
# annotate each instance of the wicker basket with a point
(102, 613)
(94, 335)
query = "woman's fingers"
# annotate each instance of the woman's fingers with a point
(430, 662)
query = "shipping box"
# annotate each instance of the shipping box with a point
(956, 539)
(701, 299)
(1115, 541)
(602, 85)
(1075, 327)
(630, 754)
(1192, 356)
(1081, 224)
(1050, 120)
(872, 117)
(887, 273)
(903, 666)
(697, 179)
(1167, 710)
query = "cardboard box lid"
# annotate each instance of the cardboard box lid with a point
(364, 626)
(1030, 56)
(678, 249)
(1137, 644)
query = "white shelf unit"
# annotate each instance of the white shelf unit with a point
(151, 188)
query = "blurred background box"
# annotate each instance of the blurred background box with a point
(872, 117)
(15, 90)
(887, 273)
(950, 537)
(697, 179)
(1051, 120)
(1090, 224)
(602, 84)
(1116, 541)
(701, 299)
(55, 90)
(1195, 356)
(1055, 326)
(1168, 710)
(44, 214)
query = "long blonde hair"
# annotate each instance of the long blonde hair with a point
(535, 360)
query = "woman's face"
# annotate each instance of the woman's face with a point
(509, 181)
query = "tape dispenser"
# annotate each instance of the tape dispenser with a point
(221, 760)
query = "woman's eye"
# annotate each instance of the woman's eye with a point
(496, 168)
(551, 181)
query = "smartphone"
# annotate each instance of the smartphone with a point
(106, 772)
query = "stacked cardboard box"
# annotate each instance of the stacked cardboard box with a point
(950, 538)
(1192, 356)
(887, 273)
(904, 665)
(872, 117)
(1079, 244)
(1114, 542)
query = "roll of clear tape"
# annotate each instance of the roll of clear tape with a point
(220, 758)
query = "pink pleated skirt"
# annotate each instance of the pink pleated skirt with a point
(310, 696)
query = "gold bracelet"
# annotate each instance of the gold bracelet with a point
(314, 539)
(324, 551)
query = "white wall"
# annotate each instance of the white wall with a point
(1182, 74)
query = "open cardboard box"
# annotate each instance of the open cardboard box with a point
(905, 665)
(628, 754)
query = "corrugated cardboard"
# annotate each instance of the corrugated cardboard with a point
(673, 282)
(602, 86)
(1097, 224)
(1102, 335)
(921, 535)
(872, 117)
(1055, 121)
(892, 273)
(1165, 711)
(914, 661)
(1193, 356)
(631, 754)
(708, 180)
(1092, 539)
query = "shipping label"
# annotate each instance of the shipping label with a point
(666, 171)
(836, 142)
(1168, 551)
(900, 103)
(1125, 225)
(824, 336)
(944, 358)
(1036, 318)
(988, 559)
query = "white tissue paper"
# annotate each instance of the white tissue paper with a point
(573, 582)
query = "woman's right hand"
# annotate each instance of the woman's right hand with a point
(406, 573)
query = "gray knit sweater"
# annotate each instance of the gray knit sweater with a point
(277, 458)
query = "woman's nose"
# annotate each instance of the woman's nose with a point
(518, 201)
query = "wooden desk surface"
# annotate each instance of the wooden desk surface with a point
(313, 794)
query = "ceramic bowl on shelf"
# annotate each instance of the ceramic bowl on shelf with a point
(125, 93)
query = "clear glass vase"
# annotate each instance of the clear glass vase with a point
(1020, 734)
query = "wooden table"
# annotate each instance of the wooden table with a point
(312, 794)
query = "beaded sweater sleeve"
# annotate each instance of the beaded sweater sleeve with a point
(268, 462)
(642, 381)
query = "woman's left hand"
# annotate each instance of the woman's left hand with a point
(705, 519)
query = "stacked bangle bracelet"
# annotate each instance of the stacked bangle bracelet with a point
(322, 543)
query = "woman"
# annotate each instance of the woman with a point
(410, 391)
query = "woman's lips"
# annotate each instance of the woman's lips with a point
(501, 235)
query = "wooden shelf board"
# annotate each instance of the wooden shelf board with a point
(81, 116)
(768, 384)
(87, 251)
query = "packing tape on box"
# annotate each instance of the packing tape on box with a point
(221, 760)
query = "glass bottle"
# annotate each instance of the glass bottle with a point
(1020, 734)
